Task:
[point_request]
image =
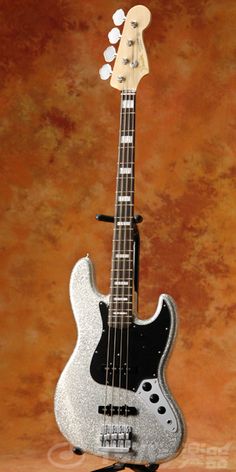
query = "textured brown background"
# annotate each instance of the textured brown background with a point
(59, 126)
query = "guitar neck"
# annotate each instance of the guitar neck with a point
(121, 293)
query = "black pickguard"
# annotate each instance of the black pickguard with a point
(146, 346)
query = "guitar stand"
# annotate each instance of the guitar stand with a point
(121, 466)
(134, 467)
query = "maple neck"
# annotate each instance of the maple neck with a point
(122, 271)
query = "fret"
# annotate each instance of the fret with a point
(122, 274)
(114, 240)
(115, 289)
(122, 302)
(125, 260)
(122, 178)
(125, 291)
(119, 217)
(124, 206)
(123, 315)
(129, 130)
(122, 260)
(121, 305)
(117, 322)
(122, 281)
(120, 308)
(118, 270)
(121, 252)
(125, 213)
(119, 191)
(120, 299)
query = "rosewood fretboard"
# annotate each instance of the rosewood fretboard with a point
(121, 292)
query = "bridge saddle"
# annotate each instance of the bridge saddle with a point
(116, 438)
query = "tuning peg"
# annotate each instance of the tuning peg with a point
(114, 35)
(105, 72)
(119, 17)
(109, 53)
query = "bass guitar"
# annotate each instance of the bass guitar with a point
(112, 399)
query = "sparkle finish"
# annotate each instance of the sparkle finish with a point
(58, 152)
(78, 396)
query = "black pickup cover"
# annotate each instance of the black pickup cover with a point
(124, 410)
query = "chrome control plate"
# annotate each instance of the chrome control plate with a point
(151, 393)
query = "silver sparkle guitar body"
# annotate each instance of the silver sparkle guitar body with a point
(155, 437)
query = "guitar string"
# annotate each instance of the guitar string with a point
(121, 206)
(116, 260)
(112, 291)
(124, 215)
(130, 232)
(121, 159)
(121, 242)
(132, 200)
(120, 210)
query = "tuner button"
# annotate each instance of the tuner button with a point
(109, 53)
(154, 398)
(147, 387)
(134, 64)
(119, 17)
(105, 71)
(114, 35)
(161, 410)
(120, 78)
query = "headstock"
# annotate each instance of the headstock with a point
(131, 62)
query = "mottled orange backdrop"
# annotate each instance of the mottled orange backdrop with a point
(59, 128)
